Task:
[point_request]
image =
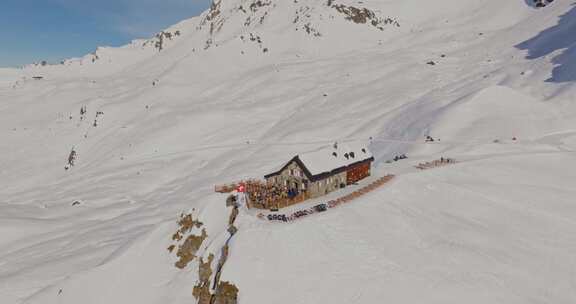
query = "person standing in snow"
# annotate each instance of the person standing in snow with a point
(71, 159)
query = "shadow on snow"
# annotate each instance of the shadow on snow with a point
(530, 3)
(559, 37)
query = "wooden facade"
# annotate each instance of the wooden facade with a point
(357, 172)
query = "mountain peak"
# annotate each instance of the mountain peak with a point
(226, 20)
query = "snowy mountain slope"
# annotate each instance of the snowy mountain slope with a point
(177, 121)
(484, 231)
(499, 113)
(556, 39)
(8, 76)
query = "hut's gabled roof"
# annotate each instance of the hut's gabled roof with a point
(327, 160)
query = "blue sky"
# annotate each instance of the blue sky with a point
(52, 30)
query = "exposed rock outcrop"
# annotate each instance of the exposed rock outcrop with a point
(187, 251)
(363, 16)
(226, 293)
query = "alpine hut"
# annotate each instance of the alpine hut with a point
(322, 171)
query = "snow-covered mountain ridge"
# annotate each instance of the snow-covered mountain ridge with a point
(242, 88)
(226, 22)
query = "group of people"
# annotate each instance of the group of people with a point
(542, 3)
(400, 157)
(436, 163)
(268, 196)
(325, 206)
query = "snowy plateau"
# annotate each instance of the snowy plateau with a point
(239, 90)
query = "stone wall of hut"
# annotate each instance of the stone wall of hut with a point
(291, 176)
(327, 185)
